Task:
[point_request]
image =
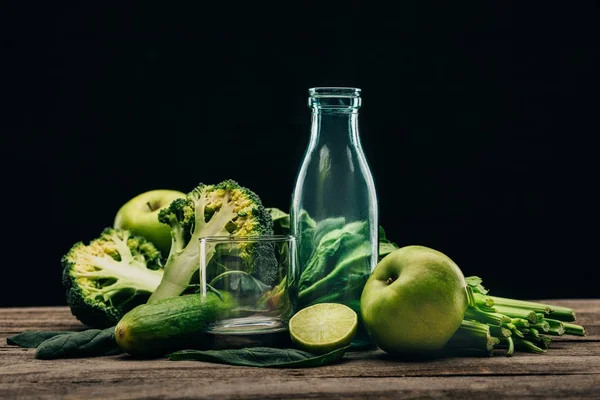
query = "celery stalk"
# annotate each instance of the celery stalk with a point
(526, 345)
(556, 327)
(527, 305)
(499, 331)
(515, 331)
(520, 322)
(555, 312)
(514, 312)
(474, 313)
(473, 335)
(508, 341)
(543, 326)
(573, 329)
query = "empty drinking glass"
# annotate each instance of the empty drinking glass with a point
(252, 274)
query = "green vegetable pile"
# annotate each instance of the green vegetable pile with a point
(119, 270)
(133, 301)
(137, 303)
(490, 323)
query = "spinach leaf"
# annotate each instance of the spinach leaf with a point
(322, 259)
(326, 226)
(332, 247)
(281, 221)
(385, 245)
(346, 279)
(88, 343)
(307, 227)
(266, 357)
(346, 291)
(281, 226)
(33, 339)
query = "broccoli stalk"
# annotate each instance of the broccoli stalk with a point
(127, 273)
(182, 263)
(211, 210)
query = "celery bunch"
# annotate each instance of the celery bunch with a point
(500, 324)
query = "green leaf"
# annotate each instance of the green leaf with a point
(331, 249)
(281, 221)
(386, 248)
(266, 357)
(326, 226)
(322, 260)
(352, 264)
(385, 245)
(475, 283)
(307, 229)
(33, 339)
(88, 343)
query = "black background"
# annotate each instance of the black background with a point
(478, 123)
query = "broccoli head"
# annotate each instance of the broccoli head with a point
(109, 276)
(223, 209)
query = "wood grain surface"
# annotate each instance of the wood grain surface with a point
(569, 370)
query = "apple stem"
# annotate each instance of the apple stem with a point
(389, 281)
(149, 206)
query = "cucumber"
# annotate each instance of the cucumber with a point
(167, 325)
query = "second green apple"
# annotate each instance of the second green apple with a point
(140, 215)
(414, 301)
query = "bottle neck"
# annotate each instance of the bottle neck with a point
(334, 127)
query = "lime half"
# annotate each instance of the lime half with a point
(323, 327)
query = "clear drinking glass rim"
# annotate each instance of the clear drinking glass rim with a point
(248, 238)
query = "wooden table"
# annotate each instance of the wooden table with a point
(570, 369)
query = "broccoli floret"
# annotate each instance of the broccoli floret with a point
(223, 209)
(109, 276)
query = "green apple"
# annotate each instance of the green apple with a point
(140, 215)
(414, 301)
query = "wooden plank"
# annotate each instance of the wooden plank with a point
(570, 369)
(195, 386)
(22, 369)
(574, 358)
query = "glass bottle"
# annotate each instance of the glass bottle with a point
(334, 210)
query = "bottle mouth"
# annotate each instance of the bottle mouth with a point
(336, 98)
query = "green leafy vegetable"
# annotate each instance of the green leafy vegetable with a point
(385, 245)
(58, 344)
(281, 226)
(266, 357)
(307, 232)
(333, 248)
(345, 282)
(33, 339)
(337, 258)
(327, 227)
(281, 221)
